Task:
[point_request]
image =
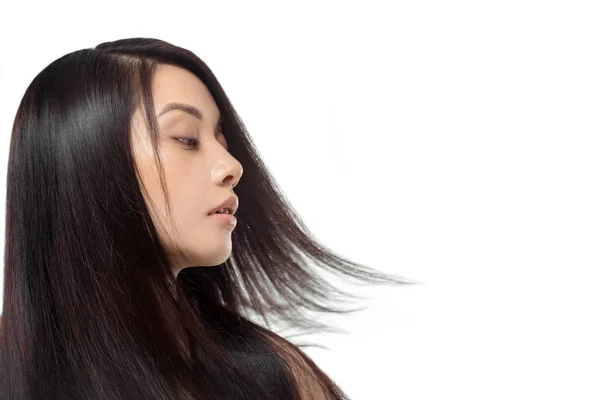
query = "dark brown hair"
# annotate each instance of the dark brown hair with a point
(91, 307)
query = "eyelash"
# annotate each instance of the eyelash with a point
(189, 145)
(195, 141)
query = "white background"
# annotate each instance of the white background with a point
(453, 143)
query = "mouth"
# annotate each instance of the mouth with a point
(225, 218)
(225, 210)
(229, 206)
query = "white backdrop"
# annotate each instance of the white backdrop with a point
(457, 141)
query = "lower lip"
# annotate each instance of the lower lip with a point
(226, 218)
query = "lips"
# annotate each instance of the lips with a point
(231, 203)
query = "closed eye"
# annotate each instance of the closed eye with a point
(193, 144)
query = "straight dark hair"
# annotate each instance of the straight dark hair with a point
(92, 309)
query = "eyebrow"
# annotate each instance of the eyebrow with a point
(189, 109)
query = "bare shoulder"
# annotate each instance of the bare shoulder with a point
(302, 368)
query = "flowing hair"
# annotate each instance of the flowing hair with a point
(92, 309)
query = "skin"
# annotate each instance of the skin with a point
(199, 171)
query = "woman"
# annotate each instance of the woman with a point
(126, 274)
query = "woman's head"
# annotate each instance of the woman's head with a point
(200, 172)
(108, 197)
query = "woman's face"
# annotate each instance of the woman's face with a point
(199, 171)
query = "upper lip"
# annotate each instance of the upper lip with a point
(231, 203)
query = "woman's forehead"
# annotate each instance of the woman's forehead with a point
(177, 85)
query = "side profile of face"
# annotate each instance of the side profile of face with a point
(199, 171)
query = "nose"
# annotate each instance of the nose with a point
(228, 173)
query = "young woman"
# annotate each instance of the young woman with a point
(143, 230)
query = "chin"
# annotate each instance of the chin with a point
(213, 259)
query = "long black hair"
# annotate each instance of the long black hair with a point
(92, 309)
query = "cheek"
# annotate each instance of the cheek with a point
(189, 188)
(190, 205)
